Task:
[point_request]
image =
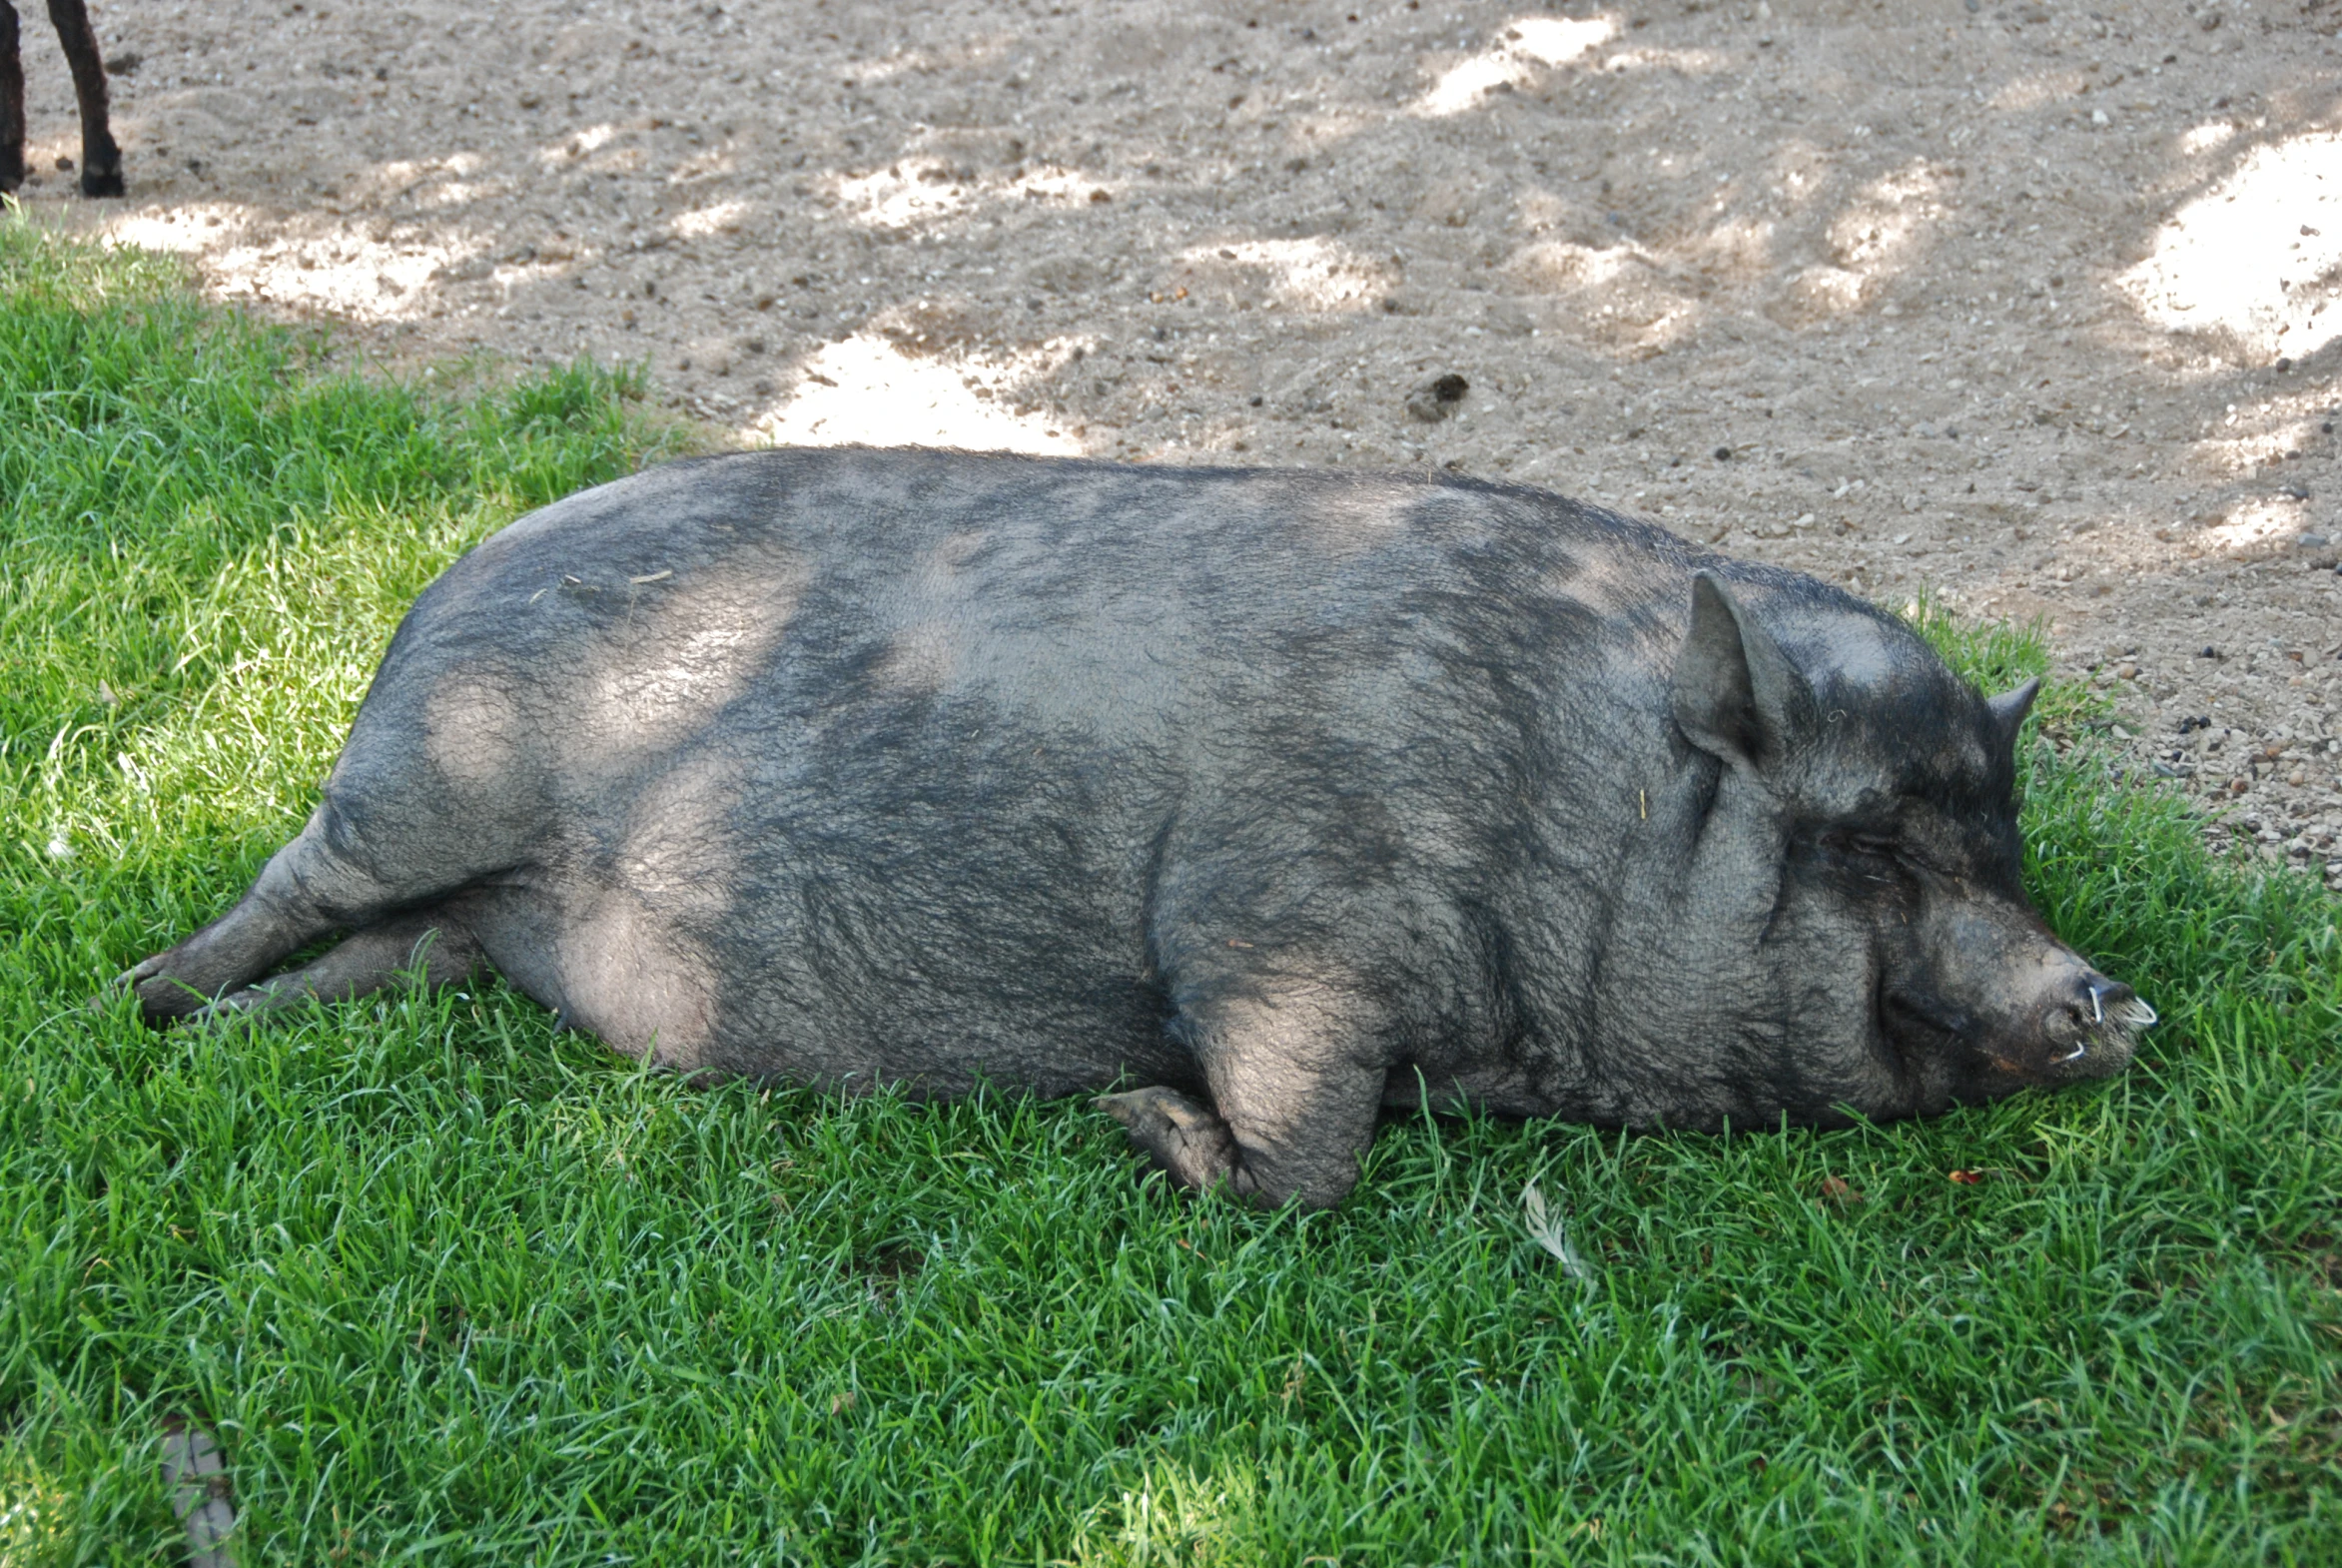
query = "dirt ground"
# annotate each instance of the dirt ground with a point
(2025, 304)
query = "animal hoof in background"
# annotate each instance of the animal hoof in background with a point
(102, 182)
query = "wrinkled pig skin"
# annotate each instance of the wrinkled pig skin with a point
(1271, 799)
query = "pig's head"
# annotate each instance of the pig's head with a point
(1869, 794)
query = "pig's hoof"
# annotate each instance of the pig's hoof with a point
(235, 1007)
(126, 981)
(1191, 1143)
(1154, 1108)
(162, 997)
(144, 969)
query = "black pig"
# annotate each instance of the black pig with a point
(1286, 797)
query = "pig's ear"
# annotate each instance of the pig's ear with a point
(2011, 707)
(1735, 695)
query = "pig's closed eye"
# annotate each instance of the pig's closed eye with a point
(1869, 846)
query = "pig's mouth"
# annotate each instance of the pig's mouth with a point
(2090, 1034)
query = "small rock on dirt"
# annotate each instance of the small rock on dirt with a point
(1436, 398)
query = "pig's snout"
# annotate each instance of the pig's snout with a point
(2027, 1009)
(2089, 1027)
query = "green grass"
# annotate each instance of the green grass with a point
(451, 1287)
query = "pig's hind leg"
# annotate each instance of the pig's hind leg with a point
(1296, 1085)
(432, 945)
(309, 889)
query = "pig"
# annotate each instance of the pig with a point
(1265, 802)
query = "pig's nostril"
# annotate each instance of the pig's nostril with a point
(2111, 1004)
(2111, 999)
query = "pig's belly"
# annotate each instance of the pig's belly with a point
(848, 990)
(850, 888)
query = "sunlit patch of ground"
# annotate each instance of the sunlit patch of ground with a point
(865, 390)
(32, 1506)
(1175, 1513)
(1525, 46)
(967, 54)
(721, 218)
(339, 271)
(1563, 265)
(1875, 238)
(1689, 62)
(582, 143)
(906, 193)
(2204, 138)
(1316, 273)
(891, 198)
(2255, 526)
(2258, 256)
(1624, 295)
(2257, 435)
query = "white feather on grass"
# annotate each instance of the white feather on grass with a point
(1545, 1229)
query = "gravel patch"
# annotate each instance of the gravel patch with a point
(2014, 305)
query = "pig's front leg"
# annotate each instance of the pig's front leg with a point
(1296, 1082)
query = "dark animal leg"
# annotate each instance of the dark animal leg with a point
(433, 941)
(1296, 1083)
(308, 889)
(100, 160)
(11, 102)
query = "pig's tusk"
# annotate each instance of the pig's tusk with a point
(2082, 1048)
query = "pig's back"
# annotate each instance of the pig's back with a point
(895, 749)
